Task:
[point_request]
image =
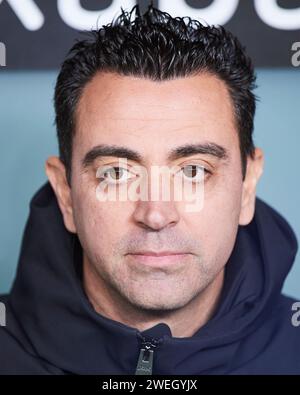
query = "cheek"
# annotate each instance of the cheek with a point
(99, 224)
(216, 225)
(222, 197)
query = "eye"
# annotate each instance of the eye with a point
(114, 174)
(194, 173)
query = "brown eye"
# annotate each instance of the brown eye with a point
(190, 171)
(114, 174)
(117, 173)
(193, 172)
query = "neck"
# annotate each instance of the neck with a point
(183, 322)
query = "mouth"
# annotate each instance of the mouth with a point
(157, 259)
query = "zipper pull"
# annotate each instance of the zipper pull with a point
(145, 361)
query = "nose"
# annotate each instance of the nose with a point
(156, 215)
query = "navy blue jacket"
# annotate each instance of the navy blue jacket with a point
(52, 328)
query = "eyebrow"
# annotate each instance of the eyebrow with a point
(110, 150)
(208, 148)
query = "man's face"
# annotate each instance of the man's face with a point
(153, 119)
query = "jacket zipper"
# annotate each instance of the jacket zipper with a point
(145, 361)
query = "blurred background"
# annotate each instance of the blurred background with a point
(34, 38)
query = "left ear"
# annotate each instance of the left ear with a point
(253, 173)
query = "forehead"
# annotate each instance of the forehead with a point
(129, 110)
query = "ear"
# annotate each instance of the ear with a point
(56, 174)
(253, 173)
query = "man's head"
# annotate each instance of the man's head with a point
(157, 91)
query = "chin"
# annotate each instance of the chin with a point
(161, 304)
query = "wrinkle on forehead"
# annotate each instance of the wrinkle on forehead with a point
(115, 108)
(128, 98)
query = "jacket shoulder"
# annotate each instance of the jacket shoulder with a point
(15, 359)
(274, 347)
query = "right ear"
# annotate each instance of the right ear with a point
(56, 173)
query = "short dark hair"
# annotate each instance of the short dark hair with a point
(156, 46)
